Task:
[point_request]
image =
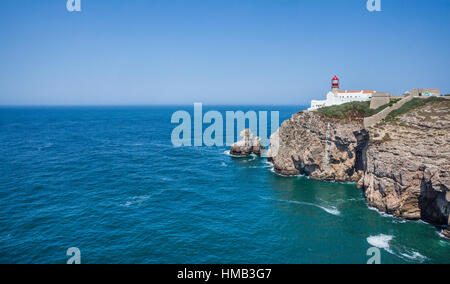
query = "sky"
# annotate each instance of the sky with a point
(265, 52)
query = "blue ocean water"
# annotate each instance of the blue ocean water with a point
(109, 182)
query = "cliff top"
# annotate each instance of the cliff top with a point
(418, 119)
(433, 105)
(354, 111)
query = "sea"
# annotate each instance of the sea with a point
(109, 182)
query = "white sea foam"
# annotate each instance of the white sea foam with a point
(253, 157)
(263, 166)
(383, 214)
(384, 242)
(442, 236)
(258, 167)
(272, 170)
(414, 255)
(234, 156)
(381, 241)
(333, 210)
(444, 243)
(330, 210)
(305, 176)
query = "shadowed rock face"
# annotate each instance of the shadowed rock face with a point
(403, 167)
(250, 144)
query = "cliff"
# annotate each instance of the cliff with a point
(402, 165)
(408, 165)
(322, 148)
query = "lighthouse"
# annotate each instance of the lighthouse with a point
(336, 97)
(335, 85)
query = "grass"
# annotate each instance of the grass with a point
(413, 104)
(353, 110)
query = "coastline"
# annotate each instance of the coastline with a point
(338, 150)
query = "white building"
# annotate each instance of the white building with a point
(336, 97)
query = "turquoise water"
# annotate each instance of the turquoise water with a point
(108, 181)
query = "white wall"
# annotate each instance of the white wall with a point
(340, 98)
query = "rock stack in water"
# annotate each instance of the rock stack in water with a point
(250, 144)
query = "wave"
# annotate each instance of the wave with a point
(342, 201)
(258, 167)
(396, 220)
(265, 165)
(305, 176)
(253, 157)
(234, 156)
(48, 145)
(330, 210)
(136, 200)
(414, 256)
(384, 242)
(272, 170)
(245, 159)
(381, 241)
(442, 235)
(443, 241)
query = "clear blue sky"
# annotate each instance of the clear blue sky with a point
(217, 51)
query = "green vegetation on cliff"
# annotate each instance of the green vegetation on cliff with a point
(413, 104)
(352, 110)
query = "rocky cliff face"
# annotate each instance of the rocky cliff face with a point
(408, 165)
(403, 167)
(323, 149)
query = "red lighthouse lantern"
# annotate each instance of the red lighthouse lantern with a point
(335, 82)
